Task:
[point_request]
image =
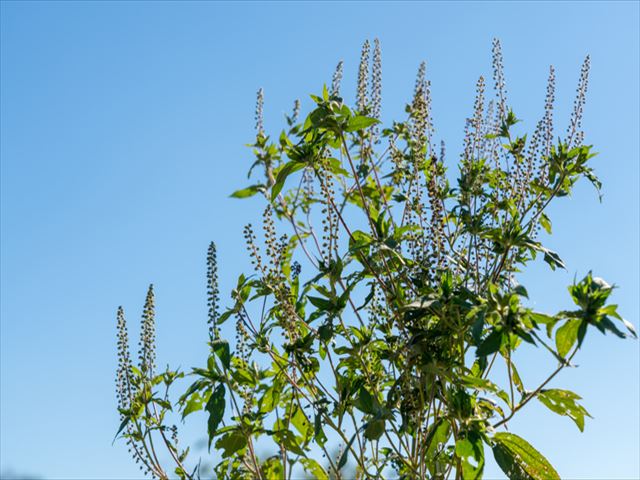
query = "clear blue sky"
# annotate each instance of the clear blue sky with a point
(122, 133)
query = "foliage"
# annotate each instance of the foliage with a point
(388, 348)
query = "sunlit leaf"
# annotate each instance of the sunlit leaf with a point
(519, 460)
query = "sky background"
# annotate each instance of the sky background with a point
(123, 127)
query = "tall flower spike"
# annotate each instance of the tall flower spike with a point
(296, 111)
(363, 72)
(376, 80)
(498, 79)
(479, 106)
(422, 70)
(336, 80)
(124, 363)
(147, 355)
(419, 111)
(573, 131)
(125, 391)
(213, 292)
(259, 116)
(376, 87)
(548, 110)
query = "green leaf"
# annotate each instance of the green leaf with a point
(545, 223)
(486, 385)
(374, 429)
(521, 290)
(286, 170)
(544, 319)
(321, 303)
(302, 423)
(272, 468)
(231, 442)
(470, 450)
(215, 406)
(563, 402)
(365, 401)
(629, 327)
(566, 336)
(491, 344)
(193, 405)
(271, 398)
(288, 440)
(247, 192)
(553, 259)
(360, 122)
(519, 460)
(122, 425)
(436, 441)
(345, 455)
(314, 468)
(221, 349)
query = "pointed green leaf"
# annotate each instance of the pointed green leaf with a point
(491, 344)
(215, 406)
(193, 405)
(345, 454)
(545, 223)
(221, 349)
(360, 122)
(563, 402)
(286, 170)
(247, 192)
(519, 460)
(566, 336)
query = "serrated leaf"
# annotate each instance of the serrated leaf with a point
(563, 402)
(519, 460)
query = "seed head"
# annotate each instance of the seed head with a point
(363, 72)
(259, 115)
(336, 80)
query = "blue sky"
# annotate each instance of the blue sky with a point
(123, 127)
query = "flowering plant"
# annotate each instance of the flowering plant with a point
(370, 333)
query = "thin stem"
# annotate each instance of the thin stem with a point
(531, 395)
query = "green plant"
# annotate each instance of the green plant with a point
(387, 348)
